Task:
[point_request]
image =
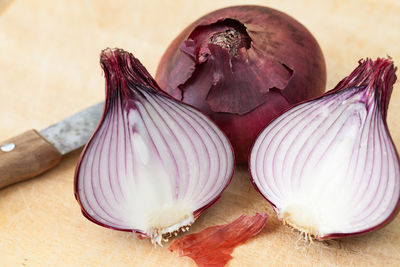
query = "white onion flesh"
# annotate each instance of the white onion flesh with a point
(329, 166)
(151, 164)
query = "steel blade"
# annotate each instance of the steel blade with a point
(74, 131)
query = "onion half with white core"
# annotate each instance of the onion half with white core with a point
(329, 166)
(153, 165)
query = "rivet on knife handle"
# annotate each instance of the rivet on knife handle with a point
(25, 156)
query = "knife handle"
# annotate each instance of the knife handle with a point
(25, 156)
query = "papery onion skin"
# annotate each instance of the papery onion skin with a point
(131, 95)
(213, 246)
(373, 81)
(275, 64)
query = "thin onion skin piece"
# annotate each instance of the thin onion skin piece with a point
(281, 66)
(213, 246)
(126, 81)
(375, 79)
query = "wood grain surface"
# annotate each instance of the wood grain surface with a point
(49, 69)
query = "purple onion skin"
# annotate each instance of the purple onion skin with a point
(269, 63)
(380, 76)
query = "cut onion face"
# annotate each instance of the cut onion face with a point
(153, 164)
(329, 166)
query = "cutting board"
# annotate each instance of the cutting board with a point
(49, 68)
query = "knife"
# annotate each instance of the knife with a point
(33, 152)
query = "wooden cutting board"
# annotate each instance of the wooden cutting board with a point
(49, 69)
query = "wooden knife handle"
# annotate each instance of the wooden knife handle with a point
(25, 156)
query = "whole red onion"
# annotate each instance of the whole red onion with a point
(243, 66)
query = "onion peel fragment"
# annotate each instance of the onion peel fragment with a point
(213, 246)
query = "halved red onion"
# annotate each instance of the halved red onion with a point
(153, 164)
(329, 166)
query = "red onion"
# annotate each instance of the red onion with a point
(213, 246)
(243, 66)
(329, 166)
(153, 164)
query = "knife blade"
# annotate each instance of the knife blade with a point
(33, 152)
